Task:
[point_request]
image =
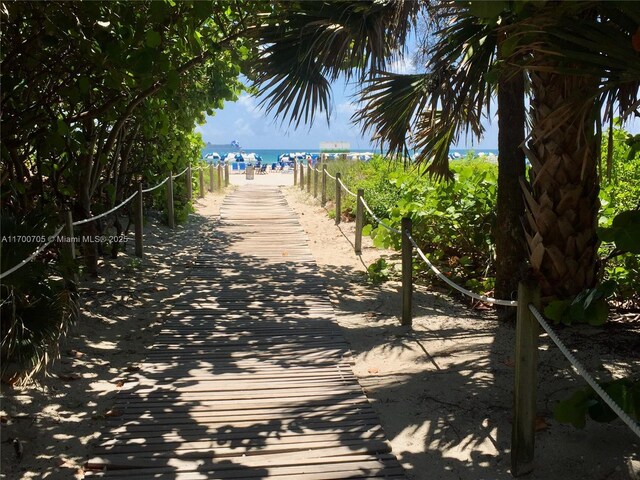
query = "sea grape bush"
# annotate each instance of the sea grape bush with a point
(454, 222)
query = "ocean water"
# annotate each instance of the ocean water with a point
(271, 155)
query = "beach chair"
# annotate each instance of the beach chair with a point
(274, 167)
(235, 167)
(263, 169)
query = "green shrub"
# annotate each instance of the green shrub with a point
(452, 222)
(38, 302)
(620, 193)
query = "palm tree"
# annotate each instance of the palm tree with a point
(451, 98)
(584, 65)
(579, 57)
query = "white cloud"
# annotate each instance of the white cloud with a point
(346, 108)
(242, 129)
(403, 65)
(250, 105)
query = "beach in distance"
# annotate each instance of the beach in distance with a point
(271, 155)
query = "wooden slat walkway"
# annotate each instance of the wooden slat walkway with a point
(249, 377)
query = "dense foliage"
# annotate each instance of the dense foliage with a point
(455, 222)
(620, 192)
(96, 97)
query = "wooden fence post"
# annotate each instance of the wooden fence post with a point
(338, 199)
(189, 184)
(359, 221)
(407, 273)
(219, 177)
(309, 177)
(323, 194)
(526, 380)
(295, 173)
(201, 178)
(211, 177)
(315, 181)
(226, 175)
(139, 219)
(171, 220)
(301, 176)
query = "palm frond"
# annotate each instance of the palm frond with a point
(308, 44)
(429, 111)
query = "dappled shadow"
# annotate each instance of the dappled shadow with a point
(121, 310)
(249, 375)
(443, 389)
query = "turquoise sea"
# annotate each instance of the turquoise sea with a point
(271, 155)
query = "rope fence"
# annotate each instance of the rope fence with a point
(138, 214)
(346, 189)
(529, 317)
(104, 214)
(624, 416)
(181, 173)
(51, 239)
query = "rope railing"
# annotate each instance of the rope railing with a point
(378, 220)
(346, 189)
(181, 173)
(151, 189)
(53, 237)
(452, 284)
(624, 416)
(96, 217)
(527, 335)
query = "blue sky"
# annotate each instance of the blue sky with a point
(246, 123)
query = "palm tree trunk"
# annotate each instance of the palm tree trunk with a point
(562, 193)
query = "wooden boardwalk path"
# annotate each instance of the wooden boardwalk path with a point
(249, 377)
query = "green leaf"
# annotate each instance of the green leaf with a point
(487, 10)
(556, 310)
(597, 313)
(627, 231)
(366, 230)
(574, 409)
(63, 128)
(606, 234)
(83, 84)
(153, 39)
(173, 80)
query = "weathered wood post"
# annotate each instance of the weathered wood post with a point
(219, 177)
(171, 220)
(68, 232)
(338, 199)
(226, 175)
(295, 173)
(359, 221)
(301, 176)
(189, 184)
(139, 219)
(211, 177)
(323, 193)
(407, 273)
(201, 195)
(309, 177)
(315, 181)
(526, 380)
